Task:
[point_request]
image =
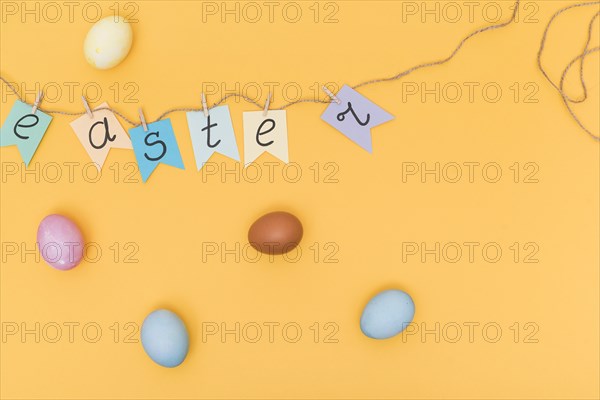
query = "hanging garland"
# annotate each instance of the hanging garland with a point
(211, 128)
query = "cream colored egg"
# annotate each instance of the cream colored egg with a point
(108, 42)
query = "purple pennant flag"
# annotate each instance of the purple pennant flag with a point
(355, 116)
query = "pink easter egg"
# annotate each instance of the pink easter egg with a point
(60, 242)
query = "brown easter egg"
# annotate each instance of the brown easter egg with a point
(275, 233)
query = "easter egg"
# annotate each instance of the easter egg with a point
(165, 338)
(60, 242)
(275, 233)
(108, 42)
(387, 314)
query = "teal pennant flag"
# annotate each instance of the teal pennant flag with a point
(24, 129)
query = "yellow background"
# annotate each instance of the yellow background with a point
(368, 213)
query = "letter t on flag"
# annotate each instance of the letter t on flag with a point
(355, 116)
(212, 134)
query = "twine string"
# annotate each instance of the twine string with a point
(581, 62)
(567, 100)
(559, 87)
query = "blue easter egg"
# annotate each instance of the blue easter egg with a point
(387, 314)
(165, 338)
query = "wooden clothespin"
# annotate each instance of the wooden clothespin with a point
(87, 107)
(143, 120)
(266, 110)
(38, 99)
(204, 106)
(331, 95)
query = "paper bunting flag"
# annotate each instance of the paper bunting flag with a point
(100, 133)
(212, 134)
(355, 116)
(24, 129)
(155, 146)
(265, 134)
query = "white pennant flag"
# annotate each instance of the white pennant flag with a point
(265, 133)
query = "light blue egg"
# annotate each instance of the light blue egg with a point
(387, 314)
(165, 338)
